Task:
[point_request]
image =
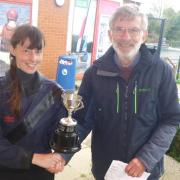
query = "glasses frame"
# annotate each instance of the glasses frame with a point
(131, 31)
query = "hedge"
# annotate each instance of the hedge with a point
(174, 150)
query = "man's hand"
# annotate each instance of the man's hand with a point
(135, 168)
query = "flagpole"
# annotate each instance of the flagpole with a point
(80, 38)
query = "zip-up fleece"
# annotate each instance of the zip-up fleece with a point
(130, 119)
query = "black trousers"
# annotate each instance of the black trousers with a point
(34, 173)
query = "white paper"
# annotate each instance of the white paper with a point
(116, 172)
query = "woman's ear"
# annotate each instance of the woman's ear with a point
(12, 50)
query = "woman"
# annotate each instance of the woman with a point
(30, 108)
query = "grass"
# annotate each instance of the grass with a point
(83, 175)
(178, 81)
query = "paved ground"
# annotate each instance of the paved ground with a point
(79, 168)
(172, 169)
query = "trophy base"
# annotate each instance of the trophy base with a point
(65, 140)
(64, 150)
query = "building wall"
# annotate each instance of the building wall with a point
(53, 20)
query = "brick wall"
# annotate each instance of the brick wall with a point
(53, 20)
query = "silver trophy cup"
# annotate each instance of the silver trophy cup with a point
(65, 137)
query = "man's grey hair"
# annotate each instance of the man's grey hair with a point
(128, 12)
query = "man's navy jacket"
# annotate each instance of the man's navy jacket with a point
(130, 119)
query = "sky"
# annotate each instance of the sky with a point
(147, 4)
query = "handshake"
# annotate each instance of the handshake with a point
(52, 162)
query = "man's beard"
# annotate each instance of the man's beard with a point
(129, 56)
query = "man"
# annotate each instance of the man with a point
(8, 29)
(131, 102)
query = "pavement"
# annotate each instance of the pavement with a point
(79, 168)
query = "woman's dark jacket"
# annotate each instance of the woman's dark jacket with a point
(130, 119)
(18, 141)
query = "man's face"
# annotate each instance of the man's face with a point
(126, 37)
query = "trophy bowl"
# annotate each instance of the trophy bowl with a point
(65, 138)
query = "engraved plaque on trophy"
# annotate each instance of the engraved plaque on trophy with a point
(65, 138)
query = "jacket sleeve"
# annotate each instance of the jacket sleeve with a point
(169, 113)
(13, 156)
(85, 115)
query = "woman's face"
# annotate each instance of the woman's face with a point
(27, 59)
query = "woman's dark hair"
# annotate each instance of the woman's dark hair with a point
(37, 41)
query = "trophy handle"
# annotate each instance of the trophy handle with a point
(81, 105)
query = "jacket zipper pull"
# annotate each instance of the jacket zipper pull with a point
(135, 98)
(117, 98)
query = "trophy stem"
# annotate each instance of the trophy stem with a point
(69, 114)
(69, 118)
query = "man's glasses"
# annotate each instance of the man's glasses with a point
(131, 31)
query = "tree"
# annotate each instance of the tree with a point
(157, 8)
(172, 28)
(154, 29)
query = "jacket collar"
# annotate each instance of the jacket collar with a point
(107, 63)
(7, 80)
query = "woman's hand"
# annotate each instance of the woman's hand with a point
(53, 162)
(59, 167)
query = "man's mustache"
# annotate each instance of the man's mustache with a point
(124, 43)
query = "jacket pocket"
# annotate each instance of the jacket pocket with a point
(148, 107)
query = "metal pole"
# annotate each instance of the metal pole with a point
(161, 35)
